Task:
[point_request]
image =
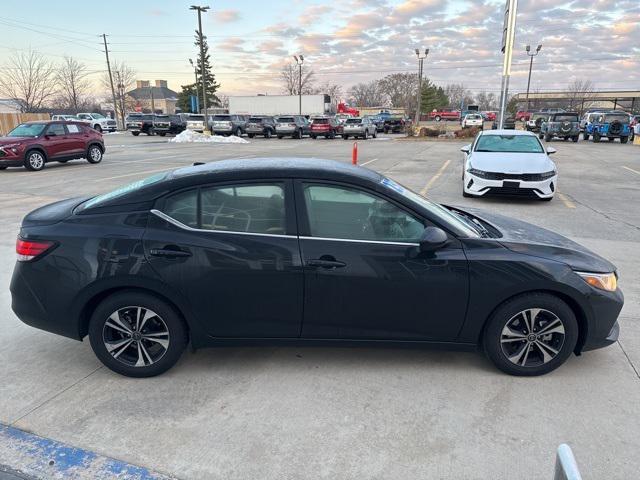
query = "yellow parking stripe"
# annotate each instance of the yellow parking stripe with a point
(630, 169)
(435, 177)
(567, 203)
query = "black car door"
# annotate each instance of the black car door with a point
(364, 275)
(232, 251)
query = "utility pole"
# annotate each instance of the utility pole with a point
(113, 92)
(153, 106)
(203, 74)
(299, 62)
(421, 58)
(531, 55)
(120, 87)
(508, 39)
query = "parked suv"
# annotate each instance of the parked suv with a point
(223, 124)
(138, 123)
(259, 125)
(535, 122)
(325, 126)
(610, 125)
(178, 123)
(447, 114)
(33, 144)
(564, 125)
(473, 120)
(99, 122)
(359, 127)
(195, 123)
(295, 126)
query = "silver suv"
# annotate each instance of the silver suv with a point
(359, 127)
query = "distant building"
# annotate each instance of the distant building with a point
(9, 105)
(144, 95)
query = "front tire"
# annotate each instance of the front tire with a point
(624, 139)
(531, 334)
(34, 161)
(137, 334)
(596, 137)
(94, 154)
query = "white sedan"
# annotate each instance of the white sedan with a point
(472, 120)
(508, 162)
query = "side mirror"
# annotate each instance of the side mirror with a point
(466, 149)
(551, 150)
(432, 239)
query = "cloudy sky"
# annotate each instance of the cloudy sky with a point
(344, 42)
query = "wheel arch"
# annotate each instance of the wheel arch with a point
(97, 144)
(576, 308)
(38, 148)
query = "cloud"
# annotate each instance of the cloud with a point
(226, 16)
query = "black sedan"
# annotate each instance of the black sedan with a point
(282, 251)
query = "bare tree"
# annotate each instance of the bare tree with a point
(28, 78)
(458, 95)
(333, 90)
(74, 86)
(487, 101)
(290, 75)
(224, 100)
(124, 78)
(400, 90)
(580, 95)
(368, 94)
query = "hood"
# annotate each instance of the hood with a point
(516, 163)
(525, 238)
(10, 140)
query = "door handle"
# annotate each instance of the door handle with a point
(325, 263)
(169, 252)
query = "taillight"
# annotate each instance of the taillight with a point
(29, 249)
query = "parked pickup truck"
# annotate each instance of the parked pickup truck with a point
(98, 122)
(447, 114)
(396, 125)
(150, 124)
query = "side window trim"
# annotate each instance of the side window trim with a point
(291, 224)
(303, 217)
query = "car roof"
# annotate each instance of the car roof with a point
(507, 132)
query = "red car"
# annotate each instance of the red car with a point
(33, 144)
(490, 116)
(447, 114)
(523, 116)
(326, 127)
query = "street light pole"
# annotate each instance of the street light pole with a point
(508, 39)
(421, 58)
(531, 55)
(203, 75)
(299, 61)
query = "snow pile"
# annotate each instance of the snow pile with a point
(189, 136)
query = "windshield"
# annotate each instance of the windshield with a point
(118, 192)
(27, 130)
(509, 144)
(616, 117)
(566, 118)
(97, 115)
(441, 213)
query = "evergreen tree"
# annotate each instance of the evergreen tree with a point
(211, 86)
(432, 97)
(184, 97)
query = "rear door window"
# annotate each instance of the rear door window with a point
(73, 128)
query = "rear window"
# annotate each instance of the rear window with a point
(119, 192)
(566, 118)
(351, 121)
(286, 120)
(222, 118)
(256, 119)
(320, 121)
(196, 118)
(616, 117)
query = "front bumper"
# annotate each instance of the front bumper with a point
(603, 329)
(477, 186)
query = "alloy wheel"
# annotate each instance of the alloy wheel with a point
(136, 336)
(36, 160)
(96, 154)
(532, 337)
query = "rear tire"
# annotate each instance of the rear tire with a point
(596, 137)
(512, 340)
(127, 350)
(345, 137)
(575, 139)
(585, 136)
(624, 139)
(280, 137)
(135, 134)
(3, 168)
(251, 135)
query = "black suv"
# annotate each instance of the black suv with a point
(178, 123)
(295, 126)
(223, 124)
(150, 124)
(259, 125)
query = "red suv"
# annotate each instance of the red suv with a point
(324, 126)
(33, 144)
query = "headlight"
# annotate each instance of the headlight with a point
(546, 175)
(477, 173)
(601, 281)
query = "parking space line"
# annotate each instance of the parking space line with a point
(567, 203)
(630, 169)
(435, 177)
(370, 161)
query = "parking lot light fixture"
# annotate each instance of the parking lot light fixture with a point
(531, 55)
(201, 9)
(421, 58)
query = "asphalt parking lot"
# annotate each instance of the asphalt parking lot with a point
(273, 413)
